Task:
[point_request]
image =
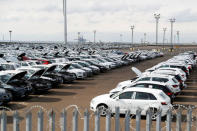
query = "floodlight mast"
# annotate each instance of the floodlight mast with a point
(178, 42)
(132, 28)
(172, 20)
(120, 38)
(94, 36)
(157, 17)
(78, 37)
(10, 35)
(164, 35)
(65, 22)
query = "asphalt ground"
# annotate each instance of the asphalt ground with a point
(80, 93)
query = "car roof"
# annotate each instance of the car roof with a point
(147, 90)
(164, 71)
(156, 75)
(151, 82)
(28, 68)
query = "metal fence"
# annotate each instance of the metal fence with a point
(86, 120)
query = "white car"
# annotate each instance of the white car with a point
(132, 99)
(172, 73)
(176, 70)
(148, 76)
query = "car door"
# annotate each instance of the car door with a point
(123, 101)
(143, 101)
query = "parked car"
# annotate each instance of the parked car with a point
(49, 73)
(132, 99)
(5, 95)
(14, 84)
(37, 82)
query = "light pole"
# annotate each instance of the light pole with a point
(164, 35)
(172, 20)
(94, 36)
(157, 17)
(65, 22)
(178, 42)
(144, 38)
(10, 35)
(132, 27)
(120, 38)
(78, 37)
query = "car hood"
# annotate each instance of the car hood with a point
(51, 68)
(101, 97)
(136, 71)
(17, 76)
(66, 67)
(121, 85)
(38, 73)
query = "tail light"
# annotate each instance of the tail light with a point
(182, 75)
(189, 67)
(163, 103)
(175, 86)
(169, 93)
(186, 71)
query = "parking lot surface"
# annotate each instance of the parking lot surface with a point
(81, 92)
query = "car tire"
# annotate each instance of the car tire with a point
(154, 113)
(102, 109)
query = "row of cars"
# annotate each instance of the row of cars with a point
(25, 74)
(154, 89)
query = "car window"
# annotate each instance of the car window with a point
(144, 79)
(144, 96)
(24, 64)
(152, 97)
(159, 79)
(126, 95)
(163, 66)
(140, 85)
(161, 87)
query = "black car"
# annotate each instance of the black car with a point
(50, 74)
(62, 69)
(91, 62)
(34, 77)
(16, 87)
(5, 95)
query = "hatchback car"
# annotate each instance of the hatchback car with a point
(132, 99)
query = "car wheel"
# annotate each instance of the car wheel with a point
(154, 113)
(102, 109)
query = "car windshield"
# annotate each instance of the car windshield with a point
(160, 79)
(77, 66)
(5, 78)
(7, 67)
(40, 67)
(82, 64)
(101, 60)
(87, 64)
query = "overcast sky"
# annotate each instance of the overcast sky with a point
(43, 19)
